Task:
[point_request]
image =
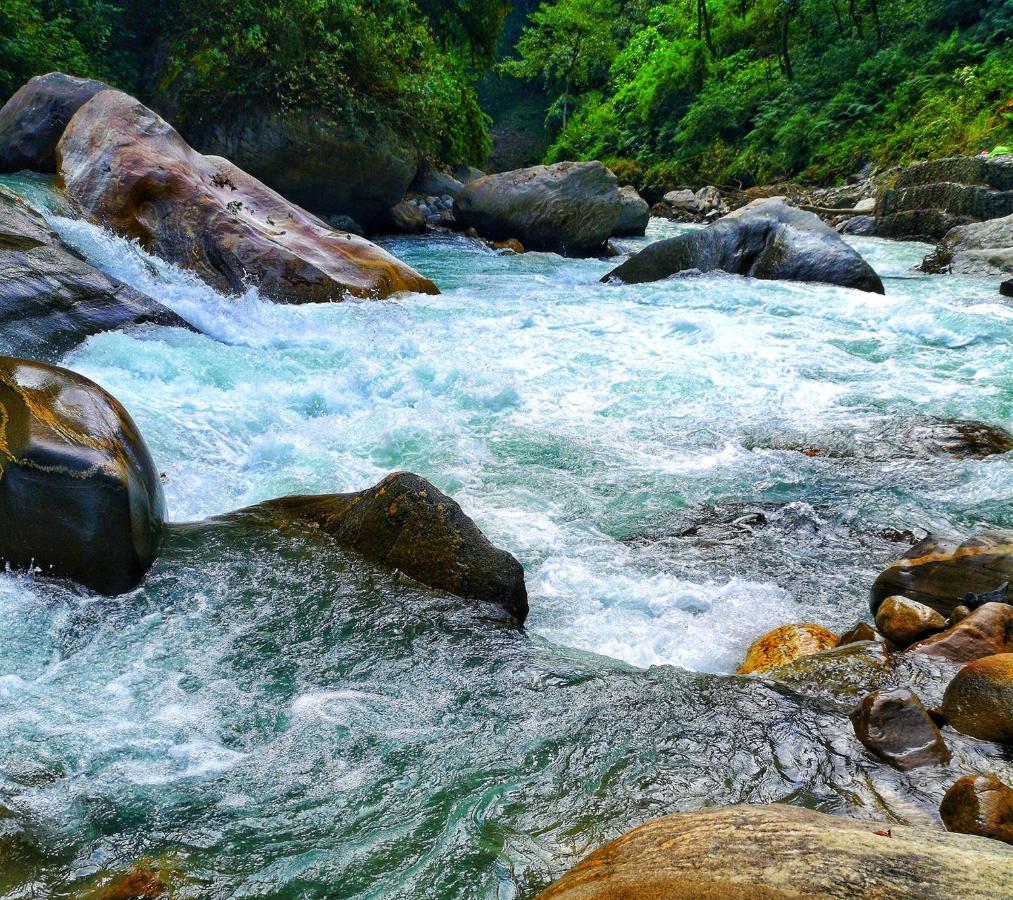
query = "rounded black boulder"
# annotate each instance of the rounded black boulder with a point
(79, 494)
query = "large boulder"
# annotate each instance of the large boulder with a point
(32, 121)
(51, 299)
(769, 240)
(406, 523)
(979, 804)
(896, 727)
(979, 700)
(943, 575)
(634, 214)
(784, 645)
(904, 621)
(567, 208)
(985, 631)
(79, 494)
(768, 852)
(131, 171)
(979, 248)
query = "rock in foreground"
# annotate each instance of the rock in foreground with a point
(905, 621)
(406, 523)
(768, 240)
(767, 852)
(634, 214)
(979, 700)
(79, 494)
(896, 727)
(567, 208)
(985, 631)
(979, 804)
(131, 171)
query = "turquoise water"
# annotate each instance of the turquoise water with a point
(289, 721)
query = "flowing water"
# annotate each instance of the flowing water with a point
(679, 466)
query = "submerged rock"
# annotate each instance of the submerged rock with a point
(407, 523)
(979, 248)
(982, 632)
(785, 644)
(943, 575)
(979, 804)
(51, 299)
(79, 494)
(979, 700)
(567, 208)
(634, 213)
(905, 621)
(131, 171)
(896, 727)
(33, 120)
(768, 240)
(777, 851)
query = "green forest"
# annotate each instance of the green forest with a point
(730, 92)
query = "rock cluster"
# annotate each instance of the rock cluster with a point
(685, 205)
(984, 249)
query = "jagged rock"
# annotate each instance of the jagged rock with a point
(979, 248)
(51, 299)
(785, 644)
(129, 170)
(979, 804)
(777, 851)
(767, 240)
(896, 727)
(407, 523)
(567, 208)
(905, 621)
(979, 700)
(79, 494)
(983, 632)
(33, 120)
(634, 213)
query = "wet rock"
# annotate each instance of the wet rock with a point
(861, 632)
(507, 248)
(1006, 288)
(840, 677)
(33, 120)
(634, 213)
(148, 879)
(131, 171)
(769, 240)
(983, 632)
(858, 225)
(905, 621)
(777, 851)
(943, 575)
(896, 727)
(959, 614)
(979, 700)
(408, 218)
(785, 644)
(567, 208)
(406, 523)
(51, 299)
(979, 804)
(79, 494)
(984, 249)
(960, 438)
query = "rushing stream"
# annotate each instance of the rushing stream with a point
(679, 466)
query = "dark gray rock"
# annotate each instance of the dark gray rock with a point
(634, 214)
(345, 223)
(434, 183)
(467, 174)
(862, 226)
(897, 728)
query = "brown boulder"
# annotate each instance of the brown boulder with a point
(979, 700)
(408, 218)
(984, 632)
(905, 621)
(767, 852)
(131, 171)
(896, 727)
(979, 804)
(862, 631)
(785, 644)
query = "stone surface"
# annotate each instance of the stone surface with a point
(407, 523)
(130, 170)
(634, 213)
(768, 240)
(943, 575)
(979, 700)
(785, 644)
(79, 494)
(862, 226)
(1006, 288)
(984, 249)
(905, 621)
(51, 299)
(767, 852)
(983, 632)
(434, 183)
(862, 631)
(33, 120)
(408, 218)
(567, 208)
(979, 804)
(896, 727)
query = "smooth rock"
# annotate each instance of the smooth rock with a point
(943, 575)
(406, 523)
(408, 218)
(768, 240)
(979, 700)
(467, 174)
(434, 183)
(984, 249)
(862, 226)
(51, 299)
(905, 621)
(981, 805)
(345, 223)
(983, 632)
(785, 644)
(862, 631)
(33, 120)
(778, 851)
(1006, 288)
(567, 208)
(129, 170)
(634, 213)
(896, 727)
(79, 494)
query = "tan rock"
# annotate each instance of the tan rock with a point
(860, 632)
(979, 804)
(905, 621)
(979, 700)
(784, 644)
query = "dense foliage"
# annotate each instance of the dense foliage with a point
(744, 91)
